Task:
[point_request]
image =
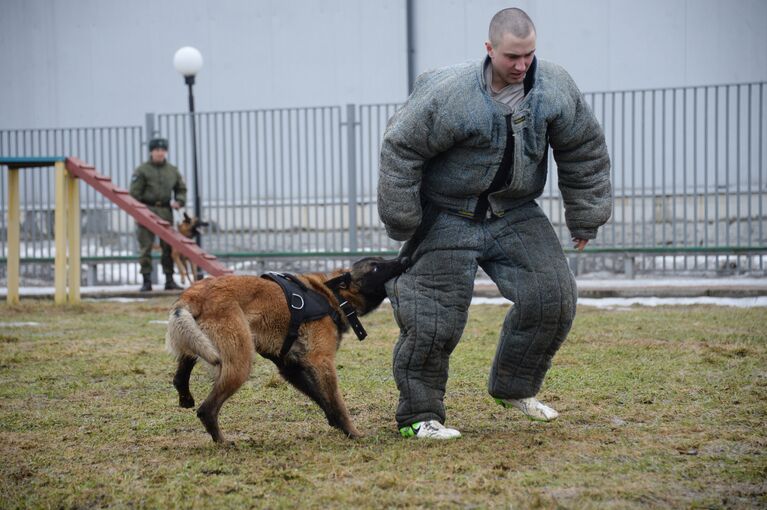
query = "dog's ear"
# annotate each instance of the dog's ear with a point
(339, 282)
(186, 217)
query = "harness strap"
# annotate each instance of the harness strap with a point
(305, 305)
(348, 310)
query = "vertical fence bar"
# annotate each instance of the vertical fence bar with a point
(337, 169)
(244, 175)
(317, 170)
(633, 169)
(737, 163)
(685, 189)
(749, 190)
(366, 146)
(306, 179)
(695, 209)
(322, 159)
(351, 147)
(294, 185)
(289, 194)
(716, 171)
(727, 166)
(260, 153)
(705, 172)
(624, 187)
(212, 209)
(280, 156)
(674, 152)
(762, 169)
(271, 162)
(663, 175)
(653, 184)
(643, 168)
(249, 190)
(150, 120)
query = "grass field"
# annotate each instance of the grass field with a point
(660, 407)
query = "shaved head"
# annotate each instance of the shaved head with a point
(510, 47)
(510, 21)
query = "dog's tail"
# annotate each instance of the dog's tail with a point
(185, 338)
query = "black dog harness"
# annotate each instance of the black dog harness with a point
(308, 305)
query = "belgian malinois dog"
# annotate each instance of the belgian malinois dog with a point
(227, 320)
(189, 227)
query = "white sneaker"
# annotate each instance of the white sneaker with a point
(431, 429)
(531, 407)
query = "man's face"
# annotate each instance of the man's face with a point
(511, 58)
(158, 155)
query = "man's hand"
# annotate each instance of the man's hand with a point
(175, 205)
(580, 244)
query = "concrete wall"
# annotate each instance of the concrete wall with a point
(108, 62)
(614, 44)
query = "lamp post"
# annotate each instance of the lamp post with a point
(188, 62)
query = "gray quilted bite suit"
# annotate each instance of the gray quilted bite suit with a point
(459, 175)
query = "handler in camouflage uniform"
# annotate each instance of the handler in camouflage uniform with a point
(155, 183)
(461, 166)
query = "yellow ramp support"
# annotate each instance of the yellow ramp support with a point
(67, 228)
(14, 236)
(60, 232)
(73, 235)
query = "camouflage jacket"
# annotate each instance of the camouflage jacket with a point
(447, 142)
(157, 185)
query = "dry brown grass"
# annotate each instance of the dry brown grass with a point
(660, 407)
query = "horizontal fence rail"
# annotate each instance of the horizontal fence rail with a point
(295, 188)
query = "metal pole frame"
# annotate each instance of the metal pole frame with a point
(351, 148)
(190, 82)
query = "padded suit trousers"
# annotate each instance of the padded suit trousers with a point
(521, 253)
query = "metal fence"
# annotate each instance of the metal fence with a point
(105, 232)
(688, 172)
(295, 188)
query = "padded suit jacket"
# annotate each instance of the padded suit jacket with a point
(447, 142)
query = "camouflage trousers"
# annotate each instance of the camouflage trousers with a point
(146, 239)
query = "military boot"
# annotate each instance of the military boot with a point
(147, 285)
(170, 284)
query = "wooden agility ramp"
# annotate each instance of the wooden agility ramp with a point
(67, 224)
(141, 213)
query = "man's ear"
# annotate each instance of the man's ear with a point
(489, 48)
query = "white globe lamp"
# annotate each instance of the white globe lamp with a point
(188, 62)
